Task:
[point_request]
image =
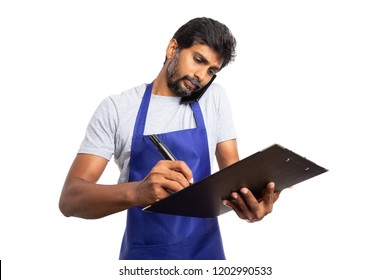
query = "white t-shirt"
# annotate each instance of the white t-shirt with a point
(110, 129)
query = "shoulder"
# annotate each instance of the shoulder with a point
(214, 96)
(113, 106)
(130, 97)
(214, 92)
(216, 89)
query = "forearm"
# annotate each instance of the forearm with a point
(88, 200)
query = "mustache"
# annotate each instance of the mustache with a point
(194, 81)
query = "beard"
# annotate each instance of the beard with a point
(175, 83)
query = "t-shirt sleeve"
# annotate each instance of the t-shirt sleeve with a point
(100, 134)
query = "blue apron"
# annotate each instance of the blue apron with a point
(153, 236)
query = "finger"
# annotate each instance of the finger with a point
(259, 208)
(242, 207)
(170, 170)
(182, 168)
(255, 211)
(161, 194)
(150, 191)
(268, 197)
(250, 199)
(174, 181)
(268, 190)
(276, 196)
(232, 204)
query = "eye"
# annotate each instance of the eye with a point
(198, 60)
(211, 72)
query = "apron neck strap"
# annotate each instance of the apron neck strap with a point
(140, 122)
(198, 115)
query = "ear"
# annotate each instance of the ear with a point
(172, 48)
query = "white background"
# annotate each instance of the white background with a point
(312, 76)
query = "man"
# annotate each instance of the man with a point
(194, 132)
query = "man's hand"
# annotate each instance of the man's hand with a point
(251, 209)
(165, 178)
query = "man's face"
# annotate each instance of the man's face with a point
(192, 68)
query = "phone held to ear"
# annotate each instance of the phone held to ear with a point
(195, 96)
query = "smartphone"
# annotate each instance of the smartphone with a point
(195, 96)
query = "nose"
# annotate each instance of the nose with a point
(200, 75)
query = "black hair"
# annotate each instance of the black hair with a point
(210, 32)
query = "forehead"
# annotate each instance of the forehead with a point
(212, 56)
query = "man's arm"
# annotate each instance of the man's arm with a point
(82, 197)
(227, 153)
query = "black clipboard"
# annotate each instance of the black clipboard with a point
(204, 198)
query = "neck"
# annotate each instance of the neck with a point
(160, 85)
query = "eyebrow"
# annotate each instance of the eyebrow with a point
(205, 61)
